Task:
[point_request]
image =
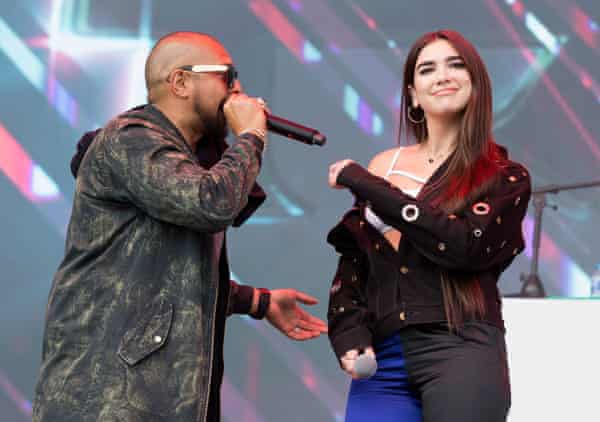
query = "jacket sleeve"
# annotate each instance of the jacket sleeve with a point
(348, 315)
(487, 234)
(240, 298)
(162, 180)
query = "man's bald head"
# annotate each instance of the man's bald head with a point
(179, 49)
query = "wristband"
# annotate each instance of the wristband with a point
(264, 300)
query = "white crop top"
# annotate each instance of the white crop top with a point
(373, 218)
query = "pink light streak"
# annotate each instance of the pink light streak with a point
(550, 85)
(580, 22)
(280, 26)
(16, 164)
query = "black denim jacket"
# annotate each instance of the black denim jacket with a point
(377, 290)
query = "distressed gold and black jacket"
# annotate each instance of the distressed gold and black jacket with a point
(132, 323)
(377, 290)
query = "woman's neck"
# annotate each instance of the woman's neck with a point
(442, 135)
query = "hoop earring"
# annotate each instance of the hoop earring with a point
(412, 119)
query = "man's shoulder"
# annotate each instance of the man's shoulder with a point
(139, 117)
(136, 123)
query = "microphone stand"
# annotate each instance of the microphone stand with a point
(532, 285)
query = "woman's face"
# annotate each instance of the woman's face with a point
(442, 84)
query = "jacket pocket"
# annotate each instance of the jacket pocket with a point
(148, 363)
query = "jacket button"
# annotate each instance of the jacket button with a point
(354, 277)
(410, 213)
(515, 251)
(442, 246)
(341, 309)
(377, 246)
(517, 200)
(452, 217)
(512, 179)
(361, 224)
(404, 269)
(402, 316)
(499, 220)
(157, 339)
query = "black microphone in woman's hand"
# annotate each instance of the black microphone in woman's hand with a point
(295, 131)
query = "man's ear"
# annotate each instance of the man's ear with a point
(179, 84)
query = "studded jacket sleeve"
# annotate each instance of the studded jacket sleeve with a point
(347, 315)
(486, 234)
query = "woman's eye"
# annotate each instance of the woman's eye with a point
(459, 65)
(425, 71)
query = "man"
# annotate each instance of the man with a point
(136, 315)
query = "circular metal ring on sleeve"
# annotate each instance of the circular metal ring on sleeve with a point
(410, 213)
(481, 208)
(477, 232)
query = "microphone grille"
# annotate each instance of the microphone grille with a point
(365, 366)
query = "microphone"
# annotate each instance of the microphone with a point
(295, 131)
(365, 366)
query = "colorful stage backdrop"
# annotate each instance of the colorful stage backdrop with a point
(67, 66)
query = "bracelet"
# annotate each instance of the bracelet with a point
(264, 300)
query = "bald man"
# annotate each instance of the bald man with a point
(136, 314)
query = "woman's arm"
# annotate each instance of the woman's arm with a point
(488, 233)
(348, 315)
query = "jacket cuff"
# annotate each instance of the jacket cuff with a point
(356, 338)
(240, 299)
(254, 140)
(350, 174)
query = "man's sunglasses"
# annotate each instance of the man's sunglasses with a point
(228, 70)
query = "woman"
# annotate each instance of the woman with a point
(434, 225)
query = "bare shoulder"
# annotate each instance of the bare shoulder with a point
(380, 163)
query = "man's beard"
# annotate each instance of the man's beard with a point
(211, 146)
(214, 126)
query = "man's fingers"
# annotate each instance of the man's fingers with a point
(316, 326)
(303, 334)
(306, 299)
(311, 320)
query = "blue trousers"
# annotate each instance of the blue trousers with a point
(387, 395)
(428, 374)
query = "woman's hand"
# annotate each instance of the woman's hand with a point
(334, 171)
(349, 359)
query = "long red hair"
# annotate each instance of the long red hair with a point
(470, 170)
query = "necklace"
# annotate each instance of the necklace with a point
(433, 158)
